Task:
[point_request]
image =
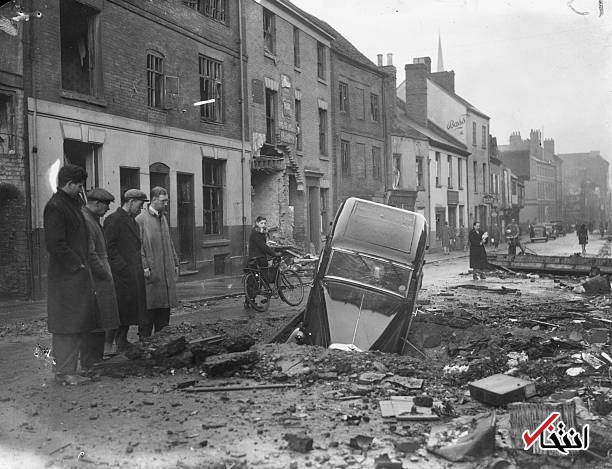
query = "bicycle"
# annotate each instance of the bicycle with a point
(275, 281)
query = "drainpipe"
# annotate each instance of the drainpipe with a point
(30, 159)
(242, 126)
(429, 196)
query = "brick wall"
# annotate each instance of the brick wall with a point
(128, 29)
(14, 255)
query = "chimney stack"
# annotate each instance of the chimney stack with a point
(389, 59)
(379, 60)
(416, 89)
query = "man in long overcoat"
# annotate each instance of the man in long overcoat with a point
(70, 297)
(478, 254)
(98, 201)
(123, 244)
(159, 261)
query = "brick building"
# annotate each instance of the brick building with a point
(540, 170)
(113, 88)
(15, 266)
(586, 191)
(289, 94)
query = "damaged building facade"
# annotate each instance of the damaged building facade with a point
(289, 93)
(126, 114)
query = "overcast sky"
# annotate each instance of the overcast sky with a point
(526, 64)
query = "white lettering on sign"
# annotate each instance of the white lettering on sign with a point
(454, 124)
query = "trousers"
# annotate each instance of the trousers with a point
(158, 319)
(67, 348)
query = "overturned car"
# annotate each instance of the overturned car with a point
(364, 291)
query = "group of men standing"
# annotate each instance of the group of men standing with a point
(103, 279)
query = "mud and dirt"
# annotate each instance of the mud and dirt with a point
(143, 413)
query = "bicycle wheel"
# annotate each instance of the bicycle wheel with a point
(256, 293)
(290, 287)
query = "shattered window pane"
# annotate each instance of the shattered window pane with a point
(372, 271)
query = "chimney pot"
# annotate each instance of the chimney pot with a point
(379, 60)
(389, 59)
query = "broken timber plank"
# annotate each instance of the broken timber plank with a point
(552, 264)
(239, 388)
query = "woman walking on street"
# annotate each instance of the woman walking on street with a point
(478, 254)
(583, 238)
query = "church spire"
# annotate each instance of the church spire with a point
(440, 60)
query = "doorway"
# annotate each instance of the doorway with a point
(159, 176)
(440, 219)
(314, 217)
(185, 213)
(86, 156)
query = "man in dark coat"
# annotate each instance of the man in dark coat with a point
(478, 254)
(70, 298)
(123, 244)
(98, 201)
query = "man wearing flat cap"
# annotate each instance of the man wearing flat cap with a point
(124, 244)
(107, 313)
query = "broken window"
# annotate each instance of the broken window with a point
(298, 123)
(85, 155)
(212, 191)
(7, 123)
(269, 32)
(270, 116)
(213, 9)
(155, 79)
(79, 29)
(211, 87)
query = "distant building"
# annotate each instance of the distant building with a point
(541, 172)
(586, 189)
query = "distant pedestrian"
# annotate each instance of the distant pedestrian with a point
(531, 231)
(513, 235)
(583, 237)
(124, 255)
(445, 237)
(478, 254)
(70, 297)
(601, 229)
(107, 312)
(159, 261)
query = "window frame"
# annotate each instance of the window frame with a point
(321, 61)
(376, 163)
(449, 160)
(438, 169)
(209, 8)
(420, 174)
(269, 32)
(323, 118)
(374, 107)
(213, 188)
(484, 136)
(345, 157)
(271, 105)
(155, 79)
(460, 173)
(343, 97)
(474, 140)
(10, 136)
(296, 47)
(299, 141)
(212, 112)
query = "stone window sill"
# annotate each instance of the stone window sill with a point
(217, 242)
(86, 98)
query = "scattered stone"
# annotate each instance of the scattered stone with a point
(219, 364)
(407, 446)
(299, 442)
(370, 377)
(423, 401)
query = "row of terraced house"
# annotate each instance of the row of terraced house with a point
(294, 120)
